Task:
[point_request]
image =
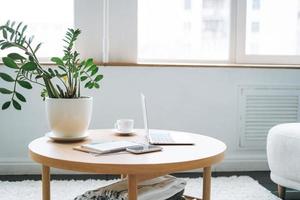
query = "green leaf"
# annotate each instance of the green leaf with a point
(30, 66)
(4, 33)
(7, 23)
(83, 78)
(38, 77)
(12, 35)
(30, 39)
(57, 61)
(5, 91)
(37, 47)
(93, 67)
(94, 71)
(87, 84)
(96, 85)
(51, 72)
(16, 56)
(6, 77)
(19, 25)
(63, 75)
(23, 40)
(31, 58)
(98, 78)
(9, 29)
(5, 105)
(62, 68)
(20, 97)
(24, 28)
(25, 84)
(12, 24)
(89, 62)
(16, 105)
(6, 45)
(9, 62)
(91, 85)
(56, 73)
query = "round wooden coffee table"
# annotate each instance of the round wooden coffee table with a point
(173, 158)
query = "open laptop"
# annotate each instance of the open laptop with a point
(162, 137)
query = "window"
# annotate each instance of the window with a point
(256, 4)
(269, 32)
(280, 31)
(183, 30)
(168, 31)
(187, 4)
(228, 31)
(47, 20)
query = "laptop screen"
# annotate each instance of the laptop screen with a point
(145, 118)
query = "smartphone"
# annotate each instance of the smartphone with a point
(147, 148)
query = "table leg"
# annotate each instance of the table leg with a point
(206, 183)
(46, 182)
(132, 187)
(123, 176)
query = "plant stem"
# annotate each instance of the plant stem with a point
(34, 81)
(15, 85)
(63, 82)
(52, 93)
(88, 75)
(79, 87)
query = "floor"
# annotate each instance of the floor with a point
(262, 177)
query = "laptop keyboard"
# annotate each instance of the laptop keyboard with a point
(161, 138)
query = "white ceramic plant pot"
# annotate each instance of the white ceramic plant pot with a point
(69, 117)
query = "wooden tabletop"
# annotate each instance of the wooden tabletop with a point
(205, 152)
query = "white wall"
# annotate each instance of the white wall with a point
(199, 100)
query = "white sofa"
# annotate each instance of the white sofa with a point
(283, 151)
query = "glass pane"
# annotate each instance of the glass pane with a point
(183, 29)
(47, 21)
(273, 27)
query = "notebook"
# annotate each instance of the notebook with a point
(106, 147)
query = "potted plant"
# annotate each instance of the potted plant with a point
(68, 111)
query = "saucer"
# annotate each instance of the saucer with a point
(123, 133)
(54, 137)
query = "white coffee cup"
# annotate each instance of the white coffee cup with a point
(124, 125)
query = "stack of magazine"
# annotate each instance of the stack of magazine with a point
(161, 188)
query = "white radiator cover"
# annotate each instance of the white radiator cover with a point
(261, 107)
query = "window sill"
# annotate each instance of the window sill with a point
(202, 65)
(193, 65)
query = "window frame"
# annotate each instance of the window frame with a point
(90, 18)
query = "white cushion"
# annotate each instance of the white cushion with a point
(283, 151)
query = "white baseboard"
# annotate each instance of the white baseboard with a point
(230, 163)
(239, 162)
(243, 162)
(18, 166)
(15, 165)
